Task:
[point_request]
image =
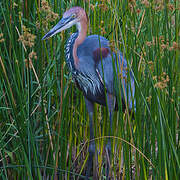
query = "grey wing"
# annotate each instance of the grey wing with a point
(113, 69)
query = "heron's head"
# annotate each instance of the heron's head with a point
(74, 16)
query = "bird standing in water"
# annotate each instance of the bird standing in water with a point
(94, 68)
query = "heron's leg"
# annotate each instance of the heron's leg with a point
(90, 108)
(111, 104)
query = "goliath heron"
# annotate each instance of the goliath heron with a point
(91, 63)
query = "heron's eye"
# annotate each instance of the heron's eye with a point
(73, 16)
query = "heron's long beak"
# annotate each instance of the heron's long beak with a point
(63, 24)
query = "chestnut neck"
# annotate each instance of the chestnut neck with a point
(82, 31)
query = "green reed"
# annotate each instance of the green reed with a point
(44, 129)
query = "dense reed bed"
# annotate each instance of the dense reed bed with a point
(44, 129)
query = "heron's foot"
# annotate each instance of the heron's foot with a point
(91, 150)
(108, 155)
(92, 147)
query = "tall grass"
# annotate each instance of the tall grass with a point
(44, 127)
